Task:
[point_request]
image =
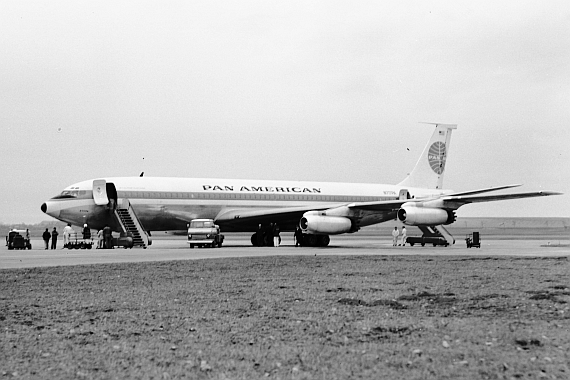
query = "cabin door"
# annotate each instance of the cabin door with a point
(100, 192)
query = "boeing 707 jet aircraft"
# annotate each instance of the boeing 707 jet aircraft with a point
(142, 204)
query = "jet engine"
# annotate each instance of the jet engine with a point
(325, 225)
(414, 216)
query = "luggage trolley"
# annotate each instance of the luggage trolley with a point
(473, 240)
(77, 243)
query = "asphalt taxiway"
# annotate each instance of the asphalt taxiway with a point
(176, 248)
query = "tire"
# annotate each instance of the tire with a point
(311, 240)
(412, 244)
(323, 240)
(191, 245)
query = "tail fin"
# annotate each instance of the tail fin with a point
(429, 170)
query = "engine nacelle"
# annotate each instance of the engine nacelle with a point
(415, 216)
(325, 225)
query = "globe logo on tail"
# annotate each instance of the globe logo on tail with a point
(436, 157)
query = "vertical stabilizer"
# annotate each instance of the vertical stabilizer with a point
(429, 170)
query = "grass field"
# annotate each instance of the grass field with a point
(372, 317)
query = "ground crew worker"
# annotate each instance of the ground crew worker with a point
(298, 236)
(66, 234)
(46, 235)
(86, 232)
(275, 235)
(404, 236)
(100, 239)
(107, 236)
(54, 234)
(395, 234)
(259, 236)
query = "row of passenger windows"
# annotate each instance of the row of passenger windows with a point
(273, 196)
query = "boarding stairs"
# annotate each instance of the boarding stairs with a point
(438, 231)
(130, 223)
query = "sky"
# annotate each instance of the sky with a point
(329, 91)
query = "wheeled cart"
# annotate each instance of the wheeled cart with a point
(473, 240)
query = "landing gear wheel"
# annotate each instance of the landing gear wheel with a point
(311, 240)
(268, 241)
(323, 240)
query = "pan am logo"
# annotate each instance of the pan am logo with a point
(436, 157)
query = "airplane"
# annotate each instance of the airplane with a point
(139, 205)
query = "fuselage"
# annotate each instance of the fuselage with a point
(163, 203)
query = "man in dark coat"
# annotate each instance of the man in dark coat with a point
(46, 236)
(259, 236)
(276, 237)
(86, 232)
(298, 236)
(54, 234)
(107, 238)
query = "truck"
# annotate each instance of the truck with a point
(18, 239)
(204, 233)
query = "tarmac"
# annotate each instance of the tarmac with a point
(168, 248)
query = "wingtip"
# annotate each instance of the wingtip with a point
(548, 193)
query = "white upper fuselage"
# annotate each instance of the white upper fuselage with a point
(166, 203)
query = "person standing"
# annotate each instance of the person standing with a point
(404, 236)
(298, 236)
(66, 234)
(86, 232)
(276, 235)
(46, 236)
(100, 239)
(259, 236)
(395, 234)
(107, 236)
(54, 234)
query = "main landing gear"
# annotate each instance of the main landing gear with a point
(310, 240)
(306, 240)
(265, 241)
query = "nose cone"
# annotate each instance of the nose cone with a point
(51, 208)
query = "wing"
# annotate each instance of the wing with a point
(453, 200)
(286, 217)
(456, 201)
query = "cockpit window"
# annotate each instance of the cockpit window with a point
(66, 194)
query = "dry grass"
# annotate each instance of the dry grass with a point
(290, 318)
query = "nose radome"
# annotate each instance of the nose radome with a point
(44, 207)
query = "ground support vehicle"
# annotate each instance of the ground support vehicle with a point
(125, 240)
(423, 240)
(16, 239)
(204, 233)
(473, 240)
